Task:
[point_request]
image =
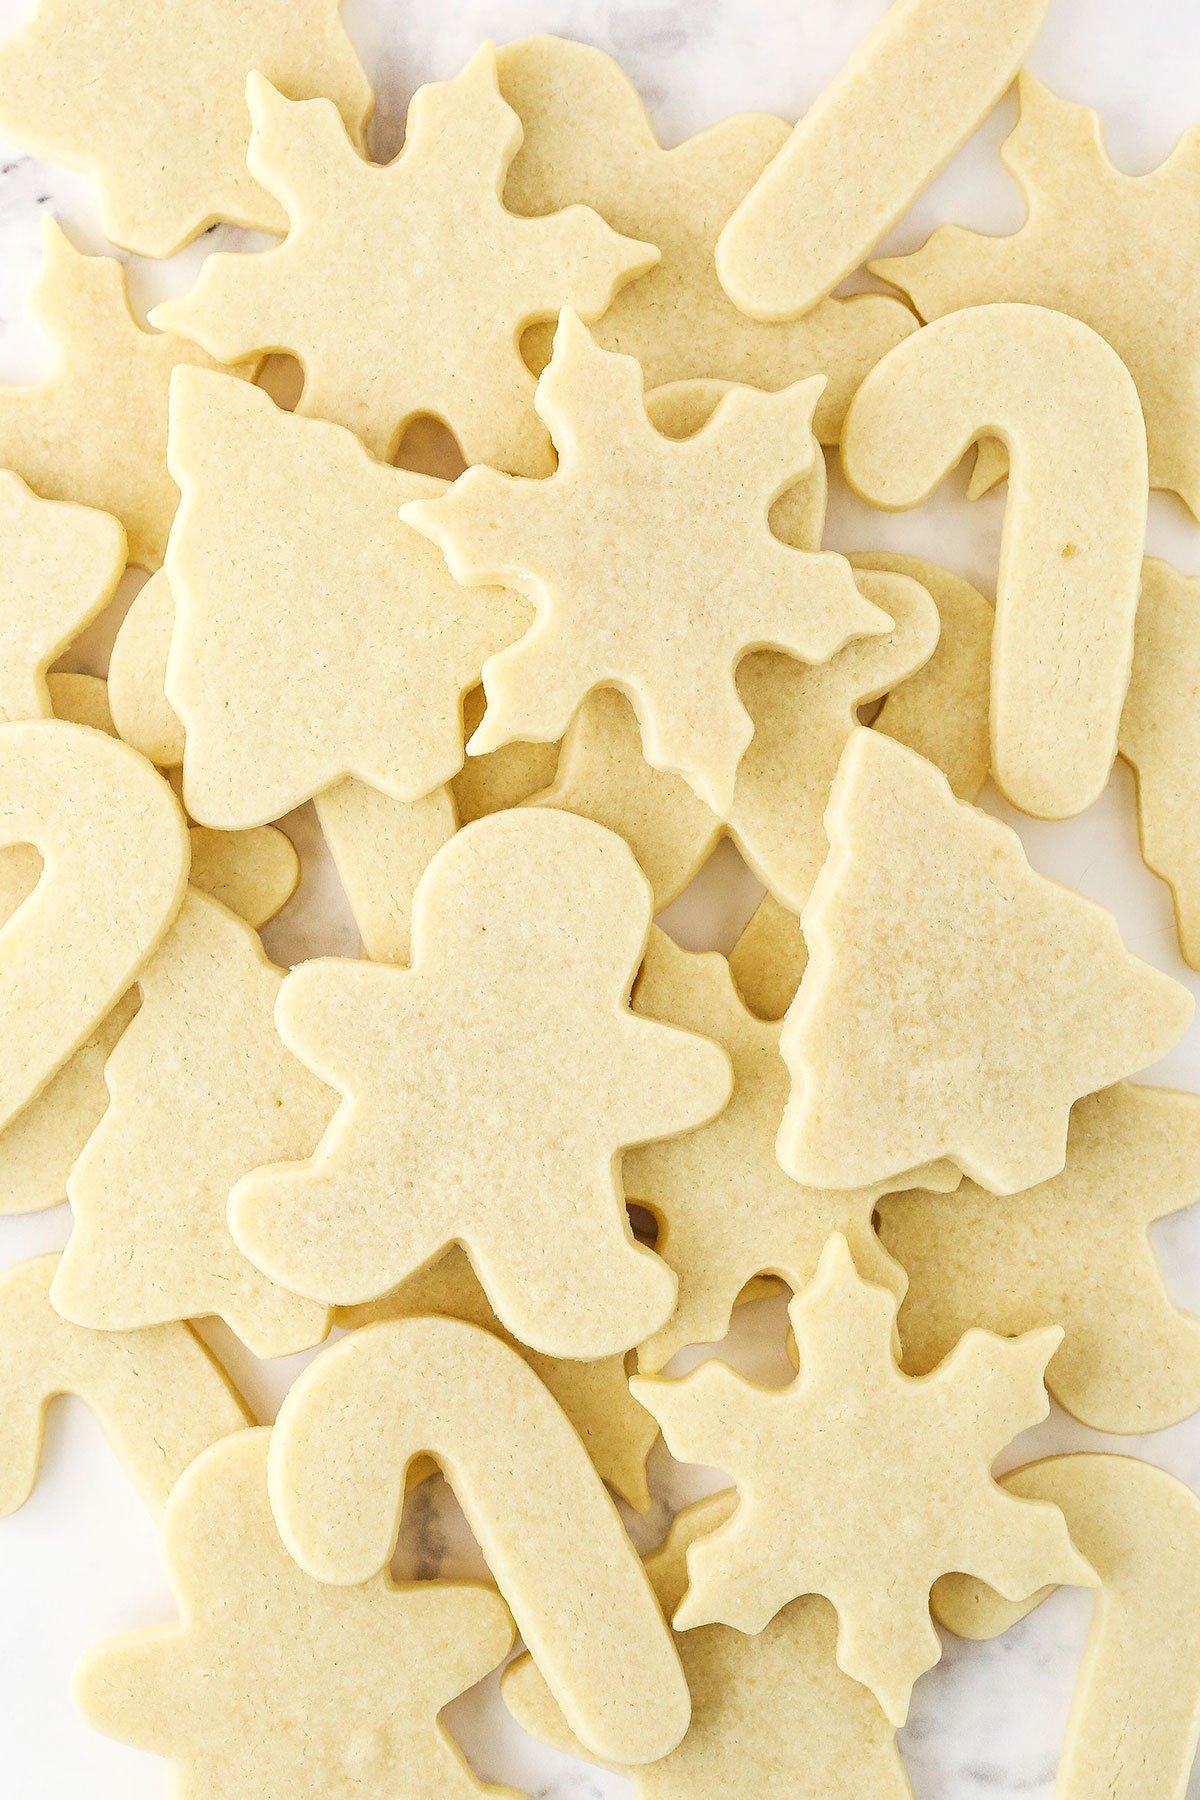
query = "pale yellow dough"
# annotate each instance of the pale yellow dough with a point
(769, 959)
(941, 711)
(315, 635)
(403, 290)
(772, 1715)
(137, 676)
(150, 100)
(488, 1092)
(95, 431)
(253, 873)
(1074, 1252)
(1110, 248)
(201, 1091)
(1067, 585)
(59, 569)
(1160, 737)
(275, 1686)
(589, 138)
(862, 1484)
(353, 1423)
(158, 1395)
(909, 97)
(995, 997)
(617, 1433)
(726, 1210)
(1135, 1718)
(115, 852)
(650, 561)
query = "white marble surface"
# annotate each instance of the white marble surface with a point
(81, 1560)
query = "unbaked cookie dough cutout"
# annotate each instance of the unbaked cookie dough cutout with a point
(115, 852)
(910, 96)
(346, 1435)
(1134, 1722)
(588, 138)
(487, 1094)
(626, 596)
(771, 1714)
(978, 1057)
(331, 643)
(261, 1645)
(403, 289)
(158, 1396)
(1106, 247)
(1160, 737)
(617, 1433)
(1074, 1252)
(202, 1089)
(59, 569)
(95, 431)
(1067, 586)
(862, 1484)
(726, 1210)
(151, 102)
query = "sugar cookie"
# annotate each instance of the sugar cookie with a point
(624, 598)
(158, 1395)
(503, 778)
(1135, 1718)
(771, 1714)
(333, 643)
(115, 859)
(273, 1684)
(616, 1432)
(1072, 1251)
(941, 710)
(60, 567)
(862, 1484)
(910, 96)
(348, 1430)
(769, 959)
(82, 699)
(589, 138)
(381, 847)
(151, 102)
(979, 1058)
(1074, 529)
(95, 430)
(403, 290)
(253, 873)
(528, 928)
(137, 673)
(726, 1210)
(1160, 737)
(1107, 247)
(202, 1090)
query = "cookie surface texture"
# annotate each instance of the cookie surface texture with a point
(1074, 1252)
(202, 1090)
(912, 93)
(627, 596)
(773, 1712)
(262, 1645)
(1135, 1716)
(528, 928)
(1074, 527)
(552, 1538)
(151, 101)
(861, 1484)
(158, 1395)
(980, 1060)
(95, 430)
(402, 290)
(588, 138)
(1106, 247)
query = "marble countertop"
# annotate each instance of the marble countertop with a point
(988, 1720)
